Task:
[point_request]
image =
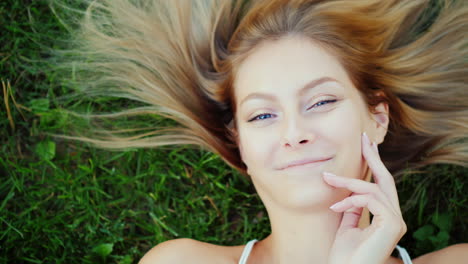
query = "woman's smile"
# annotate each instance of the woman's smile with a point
(305, 164)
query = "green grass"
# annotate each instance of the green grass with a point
(65, 202)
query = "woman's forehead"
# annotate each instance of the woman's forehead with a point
(288, 62)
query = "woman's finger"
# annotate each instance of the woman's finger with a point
(358, 187)
(352, 209)
(376, 148)
(350, 218)
(350, 213)
(384, 219)
(383, 178)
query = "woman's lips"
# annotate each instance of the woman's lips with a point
(306, 163)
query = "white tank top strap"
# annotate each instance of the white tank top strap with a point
(246, 252)
(404, 255)
(248, 248)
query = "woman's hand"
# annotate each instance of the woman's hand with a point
(375, 243)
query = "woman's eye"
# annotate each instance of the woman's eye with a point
(260, 117)
(323, 102)
(268, 115)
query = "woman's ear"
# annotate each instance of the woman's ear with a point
(381, 121)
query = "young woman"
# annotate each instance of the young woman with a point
(320, 103)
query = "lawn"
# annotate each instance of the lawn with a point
(62, 201)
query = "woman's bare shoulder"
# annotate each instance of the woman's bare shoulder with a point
(455, 254)
(186, 250)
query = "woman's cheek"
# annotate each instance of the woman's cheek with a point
(254, 145)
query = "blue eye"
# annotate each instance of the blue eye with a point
(267, 115)
(260, 117)
(323, 103)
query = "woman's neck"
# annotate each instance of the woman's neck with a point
(307, 239)
(301, 238)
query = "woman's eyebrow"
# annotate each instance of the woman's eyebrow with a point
(308, 86)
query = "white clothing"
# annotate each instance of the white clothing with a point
(248, 248)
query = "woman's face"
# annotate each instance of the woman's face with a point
(295, 103)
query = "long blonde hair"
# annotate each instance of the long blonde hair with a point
(178, 58)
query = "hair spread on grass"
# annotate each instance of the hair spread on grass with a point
(179, 58)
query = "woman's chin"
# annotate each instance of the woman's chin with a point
(307, 197)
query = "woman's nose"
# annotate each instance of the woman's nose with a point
(296, 133)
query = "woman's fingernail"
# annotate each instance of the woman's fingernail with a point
(366, 138)
(333, 207)
(329, 174)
